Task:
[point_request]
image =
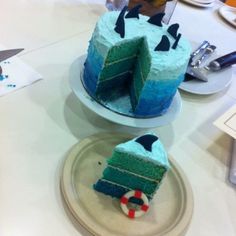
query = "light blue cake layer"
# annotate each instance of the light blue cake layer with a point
(158, 154)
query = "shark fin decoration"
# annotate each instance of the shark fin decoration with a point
(120, 23)
(134, 12)
(146, 141)
(156, 19)
(164, 44)
(176, 41)
(172, 30)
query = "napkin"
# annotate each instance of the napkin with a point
(15, 75)
(227, 122)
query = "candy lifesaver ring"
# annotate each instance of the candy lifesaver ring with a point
(132, 213)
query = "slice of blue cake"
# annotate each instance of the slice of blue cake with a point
(139, 164)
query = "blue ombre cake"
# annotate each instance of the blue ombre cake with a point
(134, 54)
(139, 164)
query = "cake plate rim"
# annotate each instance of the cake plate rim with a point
(77, 208)
(81, 93)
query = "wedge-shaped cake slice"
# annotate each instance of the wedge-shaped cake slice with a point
(139, 164)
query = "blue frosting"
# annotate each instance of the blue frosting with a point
(157, 92)
(92, 67)
(157, 155)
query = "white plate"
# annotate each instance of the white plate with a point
(199, 4)
(217, 81)
(170, 210)
(203, 1)
(229, 14)
(85, 98)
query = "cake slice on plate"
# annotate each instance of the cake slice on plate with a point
(139, 164)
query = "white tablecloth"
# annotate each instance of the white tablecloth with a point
(40, 123)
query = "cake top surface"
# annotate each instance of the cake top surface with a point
(148, 147)
(134, 27)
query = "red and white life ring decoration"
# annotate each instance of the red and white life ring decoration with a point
(132, 213)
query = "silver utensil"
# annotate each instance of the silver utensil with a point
(207, 53)
(214, 66)
(190, 73)
(198, 52)
(5, 54)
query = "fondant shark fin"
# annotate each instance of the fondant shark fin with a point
(134, 12)
(176, 41)
(172, 30)
(156, 19)
(120, 23)
(164, 44)
(146, 141)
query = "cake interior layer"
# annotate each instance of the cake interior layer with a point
(136, 165)
(130, 56)
(129, 180)
(120, 67)
(119, 86)
(110, 188)
(141, 71)
(125, 49)
(113, 189)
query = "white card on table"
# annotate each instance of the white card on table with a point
(227, 122)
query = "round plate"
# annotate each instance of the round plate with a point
(217, 81)
(170, 210)
(199, 4)
(85, 98)
(229, 14)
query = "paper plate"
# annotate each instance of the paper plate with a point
(170, 211)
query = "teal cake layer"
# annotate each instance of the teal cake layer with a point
(117, 68)
(156, 75)
(129, 180)
(136, 165)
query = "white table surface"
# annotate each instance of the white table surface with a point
(40, 123)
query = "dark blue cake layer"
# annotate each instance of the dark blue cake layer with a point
(119, 83)
(114, 190)
(110, 189)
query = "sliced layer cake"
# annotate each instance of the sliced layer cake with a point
(136, 55)
(139, 164)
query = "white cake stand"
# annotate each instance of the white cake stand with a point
(80, 92)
